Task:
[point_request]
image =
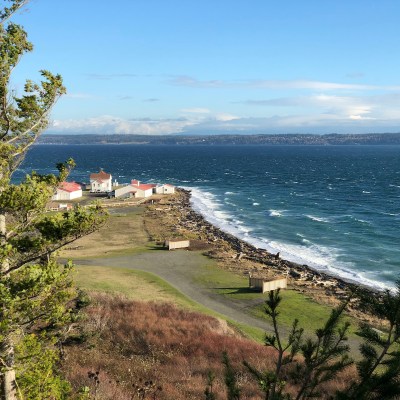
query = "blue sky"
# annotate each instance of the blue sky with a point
(167, 67)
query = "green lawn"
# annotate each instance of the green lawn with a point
(311, 315)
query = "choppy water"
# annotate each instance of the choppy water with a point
(333, 208)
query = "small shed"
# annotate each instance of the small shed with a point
(173, 244)
(164, 189)
(268, 284)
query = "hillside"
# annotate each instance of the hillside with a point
(288, 139)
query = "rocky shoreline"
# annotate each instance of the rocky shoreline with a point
(261, 262)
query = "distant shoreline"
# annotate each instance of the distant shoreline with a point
(333, 139)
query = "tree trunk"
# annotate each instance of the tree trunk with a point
(8, 384)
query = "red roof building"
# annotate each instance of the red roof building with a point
(70, 186)
(68, 191)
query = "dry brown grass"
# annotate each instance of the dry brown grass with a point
(123, 232)
(133, 342)
(130, 343)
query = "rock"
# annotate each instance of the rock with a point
(294, 274)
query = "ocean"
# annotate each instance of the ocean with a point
(334, 208)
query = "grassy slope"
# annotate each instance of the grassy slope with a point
(125, 228)
(144, 286)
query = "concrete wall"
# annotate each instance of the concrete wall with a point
(75, 195)
(177, 244)
(267, 286)
(275, 284)
(144, 193)
(123, 190)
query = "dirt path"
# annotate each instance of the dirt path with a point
(180, 269)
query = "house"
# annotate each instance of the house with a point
(100, 182)
(134, 189)
(266, 285)
(142, 189)
(164, 189)
(68, 191)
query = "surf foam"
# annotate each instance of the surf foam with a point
(321, 258)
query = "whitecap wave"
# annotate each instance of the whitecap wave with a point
(362, 221)
(256, 204)
(318, 219)
(275, 213)
(208, 205)
(323, 258)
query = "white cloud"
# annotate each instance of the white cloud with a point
(313, 123)
(316, 113)
(225, 117)
(109, 124)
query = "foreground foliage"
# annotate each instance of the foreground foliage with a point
(308, 364)
(34, 289)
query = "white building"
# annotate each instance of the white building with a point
(164, 189)
(135, 189)
(68, 191)
(100, 182)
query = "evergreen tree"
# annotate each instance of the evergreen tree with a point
(233, 391)
(322, 358)
(379, 367)
(34, 288)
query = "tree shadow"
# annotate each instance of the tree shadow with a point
(238, 290)
(156, 247)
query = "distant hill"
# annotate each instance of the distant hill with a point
(282, 139)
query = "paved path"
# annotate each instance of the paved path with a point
(179, 269)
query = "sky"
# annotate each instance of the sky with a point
(162, 67)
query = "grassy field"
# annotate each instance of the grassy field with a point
(133, 284)
(311, 315)
(125, 234)
(144, 286)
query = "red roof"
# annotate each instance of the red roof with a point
(143, 187)
(100, 175)
(69, 186)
